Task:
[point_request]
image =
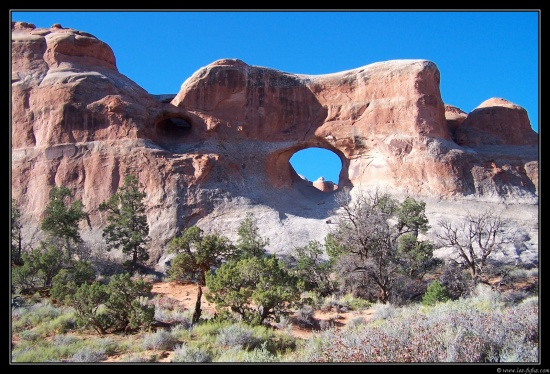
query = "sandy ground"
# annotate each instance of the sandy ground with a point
(186, 295)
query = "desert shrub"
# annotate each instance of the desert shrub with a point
(238, 354)
(334, 304)
(435, 293)
(519, 275)
(64, 340)
(59, 350)
(523, 321)
(33, 315)
(355, 303)
(285, 323)
(312, 298)
(39, 353)
(455, 280)
(161, 339)
(17, 301)
(531, 300)
(459, 331)
(282, 341)
(231, 354)
(326, 323)
(483, 297)
(209, 328)
(185, 353)
(356, 321)
(382, 311)
(237, 335)
(512, 297)
(165, 303)
(136, 357)
(61, 324)
(259, 354)
(30, 335)
(181, 331)
(304, 317)
(178, 316)
(89, 354)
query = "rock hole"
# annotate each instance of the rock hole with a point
(319, 166)
(173, 128)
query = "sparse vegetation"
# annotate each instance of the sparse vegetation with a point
(455, 331)
(470, 310)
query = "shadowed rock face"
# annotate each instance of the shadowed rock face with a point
(222, 145)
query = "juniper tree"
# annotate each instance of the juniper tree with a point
(313, 267)
(249, 242)
(61, 219)
(197, 253)
(127, 228)
(256, 288)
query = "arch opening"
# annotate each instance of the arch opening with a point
(319, 166)
(169, 132)
(173, 127)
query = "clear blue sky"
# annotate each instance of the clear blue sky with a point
(480, 54)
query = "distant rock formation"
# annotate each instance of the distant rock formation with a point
(221, 146)
(325, 186)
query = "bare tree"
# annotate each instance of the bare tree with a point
(473, 240)
(362, 223)
(376, 243)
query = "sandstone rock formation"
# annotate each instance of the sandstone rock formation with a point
(221, 146)
(326, 186)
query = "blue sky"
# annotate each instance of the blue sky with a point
(480, 54)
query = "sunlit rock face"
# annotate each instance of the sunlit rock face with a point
(496, 122)
(326, 186)
(221, 146)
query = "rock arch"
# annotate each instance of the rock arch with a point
(281, 173)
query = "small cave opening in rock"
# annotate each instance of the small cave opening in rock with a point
(173, 129)
(318, 166)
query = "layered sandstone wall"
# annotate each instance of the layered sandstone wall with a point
(221, 146)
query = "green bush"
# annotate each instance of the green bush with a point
(121, 305)
(435, 293)
(39, 267)
(256, 288)
(67, 280)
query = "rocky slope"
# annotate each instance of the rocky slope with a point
(221, 146)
